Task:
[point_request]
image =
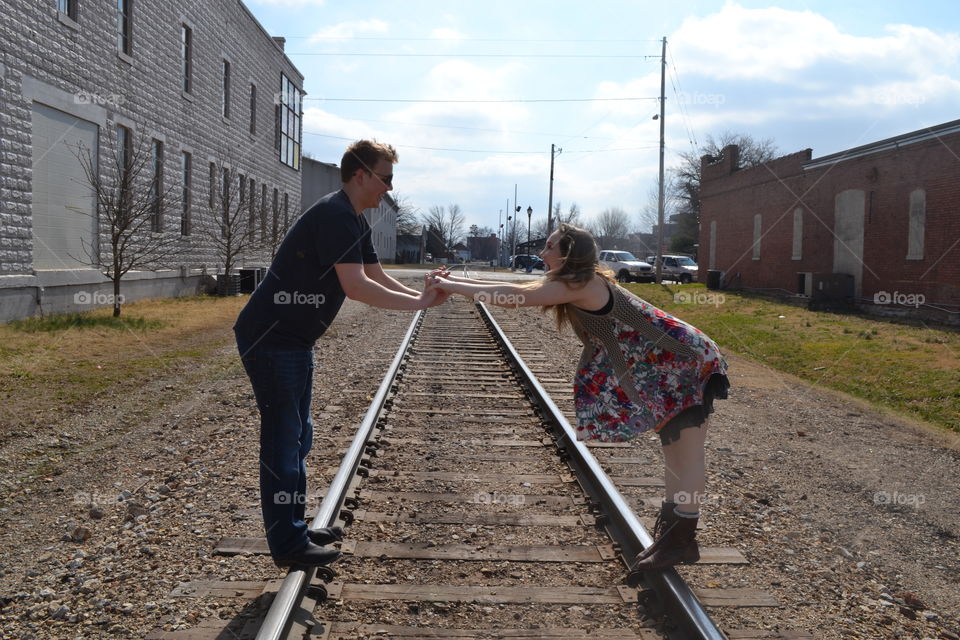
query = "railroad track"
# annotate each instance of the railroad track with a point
(472, 512)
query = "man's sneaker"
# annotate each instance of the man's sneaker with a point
(325, 535)
(310, 555)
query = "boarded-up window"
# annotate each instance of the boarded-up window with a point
(918, 224)
(756, 236)
(797, 233)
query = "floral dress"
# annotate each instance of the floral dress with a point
(659, 381)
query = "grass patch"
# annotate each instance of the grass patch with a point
(83, 321)
(52, 365)
(910, 369)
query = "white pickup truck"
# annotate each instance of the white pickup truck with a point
(676, 267)
(626, 267)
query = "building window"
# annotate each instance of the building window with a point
(756, 236)
(797, 233)
(185, 196)
(186, 56)
(225, 100)
(125, 26)
(225, 201)
(263, 213)
(68, 8)
(252, 204)
(213, 186)
(124, 151)
(253, 109)
(286, 211)
(918, 224)
(289, 114)
(275, 229)
(156, 188)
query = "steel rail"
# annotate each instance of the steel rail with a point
(291, 590)
(622, 524)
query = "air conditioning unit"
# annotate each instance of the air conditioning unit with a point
(805, 283)
(832, 291)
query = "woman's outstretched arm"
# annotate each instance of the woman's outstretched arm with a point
(512, 295)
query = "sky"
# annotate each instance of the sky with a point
(472, 94)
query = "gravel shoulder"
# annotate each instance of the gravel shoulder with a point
(846, 514)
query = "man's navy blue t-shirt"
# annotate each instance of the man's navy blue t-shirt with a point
(301, 293)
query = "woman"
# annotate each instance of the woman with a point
(641, 369)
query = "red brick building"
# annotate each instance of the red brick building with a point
(886, 213)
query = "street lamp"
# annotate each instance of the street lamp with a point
(529, 213)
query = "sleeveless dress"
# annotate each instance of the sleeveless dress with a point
(640, 369)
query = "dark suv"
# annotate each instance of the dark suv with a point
(527, 262)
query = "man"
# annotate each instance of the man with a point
(326, 256)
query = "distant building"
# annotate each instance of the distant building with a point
(886, 215)
(201, 84)
(411, 248)
(483, 247)
(321, 178)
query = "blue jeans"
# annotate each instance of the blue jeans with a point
(282, 382)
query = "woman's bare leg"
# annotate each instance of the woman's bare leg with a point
(684, 462)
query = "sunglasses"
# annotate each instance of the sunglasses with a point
(387, 180)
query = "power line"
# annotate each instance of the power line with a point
(508, 40)
(691, 137)
(357, 54)
(490, 151)
(479, 101)
(566, 136)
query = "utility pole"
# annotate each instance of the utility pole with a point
(500, 238)
(663, 99)
(513, 251)
(550, 201)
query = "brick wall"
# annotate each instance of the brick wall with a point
(887, 176)
(42, 48)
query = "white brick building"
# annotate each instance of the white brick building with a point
(199, 83)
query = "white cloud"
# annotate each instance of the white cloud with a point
(349, 30)
(776, 45)
(460, 80)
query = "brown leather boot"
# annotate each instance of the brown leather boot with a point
(677, 545)
(664, 520)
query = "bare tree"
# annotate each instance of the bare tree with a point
(448, 223)
(685, 180)
(457, 220)
(407, 223)
(230, 224)
(132, 204)
(611, 227)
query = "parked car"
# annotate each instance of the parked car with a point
(678, 268)
(525, 261)
(626, 267)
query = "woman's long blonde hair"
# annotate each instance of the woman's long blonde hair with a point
(580, 264)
